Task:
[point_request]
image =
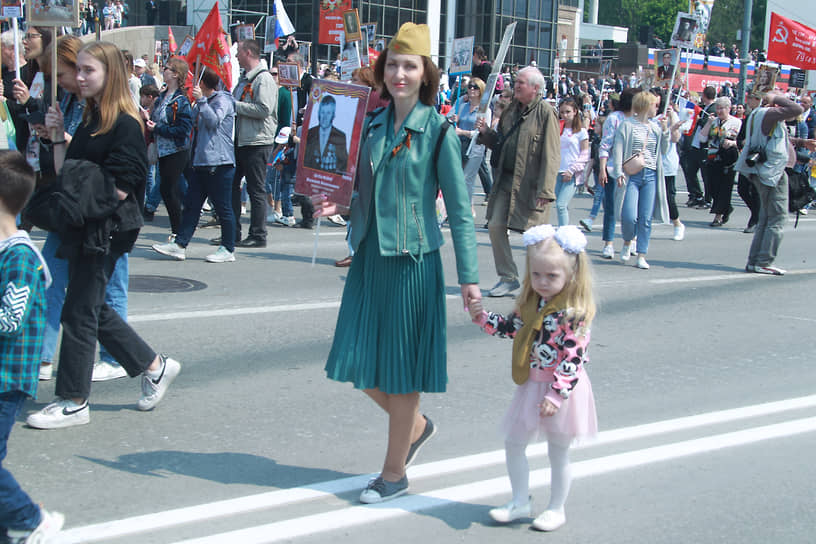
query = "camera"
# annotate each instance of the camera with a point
(755, 156)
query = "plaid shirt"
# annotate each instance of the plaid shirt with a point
(22, 318)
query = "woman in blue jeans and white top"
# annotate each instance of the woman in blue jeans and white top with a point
(574, 156)
(465, 119)
(640, 134)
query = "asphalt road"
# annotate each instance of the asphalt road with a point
(703, 374)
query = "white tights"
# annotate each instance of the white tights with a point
(519, 471)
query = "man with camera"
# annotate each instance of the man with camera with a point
(767, 152)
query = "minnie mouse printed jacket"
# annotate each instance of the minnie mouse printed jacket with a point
(558, 355)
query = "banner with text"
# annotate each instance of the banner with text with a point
(791, 43)
(331, 21)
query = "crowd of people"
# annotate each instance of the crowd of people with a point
(120, 139)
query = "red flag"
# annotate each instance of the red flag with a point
(210, 47)
(172, 40)
(791, 43)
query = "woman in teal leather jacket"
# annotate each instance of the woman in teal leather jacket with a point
(390, 338)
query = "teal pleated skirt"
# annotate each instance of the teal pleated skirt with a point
(391, 328)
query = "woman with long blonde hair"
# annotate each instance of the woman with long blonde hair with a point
(109, 139)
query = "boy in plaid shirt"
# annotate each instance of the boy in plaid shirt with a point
(23, 279)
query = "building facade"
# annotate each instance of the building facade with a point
(534, 39)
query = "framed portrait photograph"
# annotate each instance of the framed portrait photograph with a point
(305, 50)
(380, 44)
(686, 27)
(53, 13)
(330, 141)
(665, 59)
(349, 58)
(269, 34)
(351, 25)
(288, 75)
(186, 45)
(764, 79)
(245, 32)
(462, 56)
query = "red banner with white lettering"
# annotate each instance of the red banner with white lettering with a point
(331, 20)
(791, 43)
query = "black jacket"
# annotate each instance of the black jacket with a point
(121, 155)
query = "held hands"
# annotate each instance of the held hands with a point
(471, 296)
(547, 409)
(476, 311)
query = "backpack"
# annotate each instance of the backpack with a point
(800, 193)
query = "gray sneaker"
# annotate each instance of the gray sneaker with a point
(503, 288)
(171, 249)
(430, 430)
(221, 255)
(153, 391)
(380, 490)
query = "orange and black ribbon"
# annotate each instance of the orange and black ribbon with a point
(247, 89)
(399, 146)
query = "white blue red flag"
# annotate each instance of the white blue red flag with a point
(283, 25)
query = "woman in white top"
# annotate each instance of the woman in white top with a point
(671, 164)
(574, 156)
(640, 135)
(721, 134)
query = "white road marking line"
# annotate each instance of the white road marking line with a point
(798, 318)
(253, 310)
(169, 518)
(358, 515)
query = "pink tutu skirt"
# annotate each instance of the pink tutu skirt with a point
(575, 422)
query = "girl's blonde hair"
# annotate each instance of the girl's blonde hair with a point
(115, 98)
(580, 301)
(642, 102)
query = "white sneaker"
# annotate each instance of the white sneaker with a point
(626, 252)
(153, 391)
(46, 371)
(510, 512)
(608, 252)
(679, 232)
(104, 371)
(171, 249)
(549, 520)
(61, 413)
(272, 217)
(50, 525)
(338, 220)
(641, 263)
(221, 255)
(207, 207)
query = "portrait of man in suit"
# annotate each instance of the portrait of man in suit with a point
(664, 71)
(325, 144)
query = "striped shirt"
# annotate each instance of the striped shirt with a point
(644, 139)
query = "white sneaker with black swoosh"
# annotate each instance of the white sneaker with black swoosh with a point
(60, 413)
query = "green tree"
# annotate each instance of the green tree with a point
(726, 18)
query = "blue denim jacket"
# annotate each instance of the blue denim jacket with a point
(178, 125)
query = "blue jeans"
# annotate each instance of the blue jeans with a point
(115, 295)
(638, 208)
(286, 188)
(564, 191)
(610, 189)
(600, 191)
(17, 511)
(152, 194)
(215, 182)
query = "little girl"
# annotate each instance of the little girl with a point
(550, 331)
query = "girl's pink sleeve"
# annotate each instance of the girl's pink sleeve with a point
(572, 354)
(499, 325)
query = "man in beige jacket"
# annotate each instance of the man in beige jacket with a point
(527, 146)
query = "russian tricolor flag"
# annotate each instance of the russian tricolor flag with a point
(689, 113)
(283, 25)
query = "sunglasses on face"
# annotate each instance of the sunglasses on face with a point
(274, 73)
(476, 87)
